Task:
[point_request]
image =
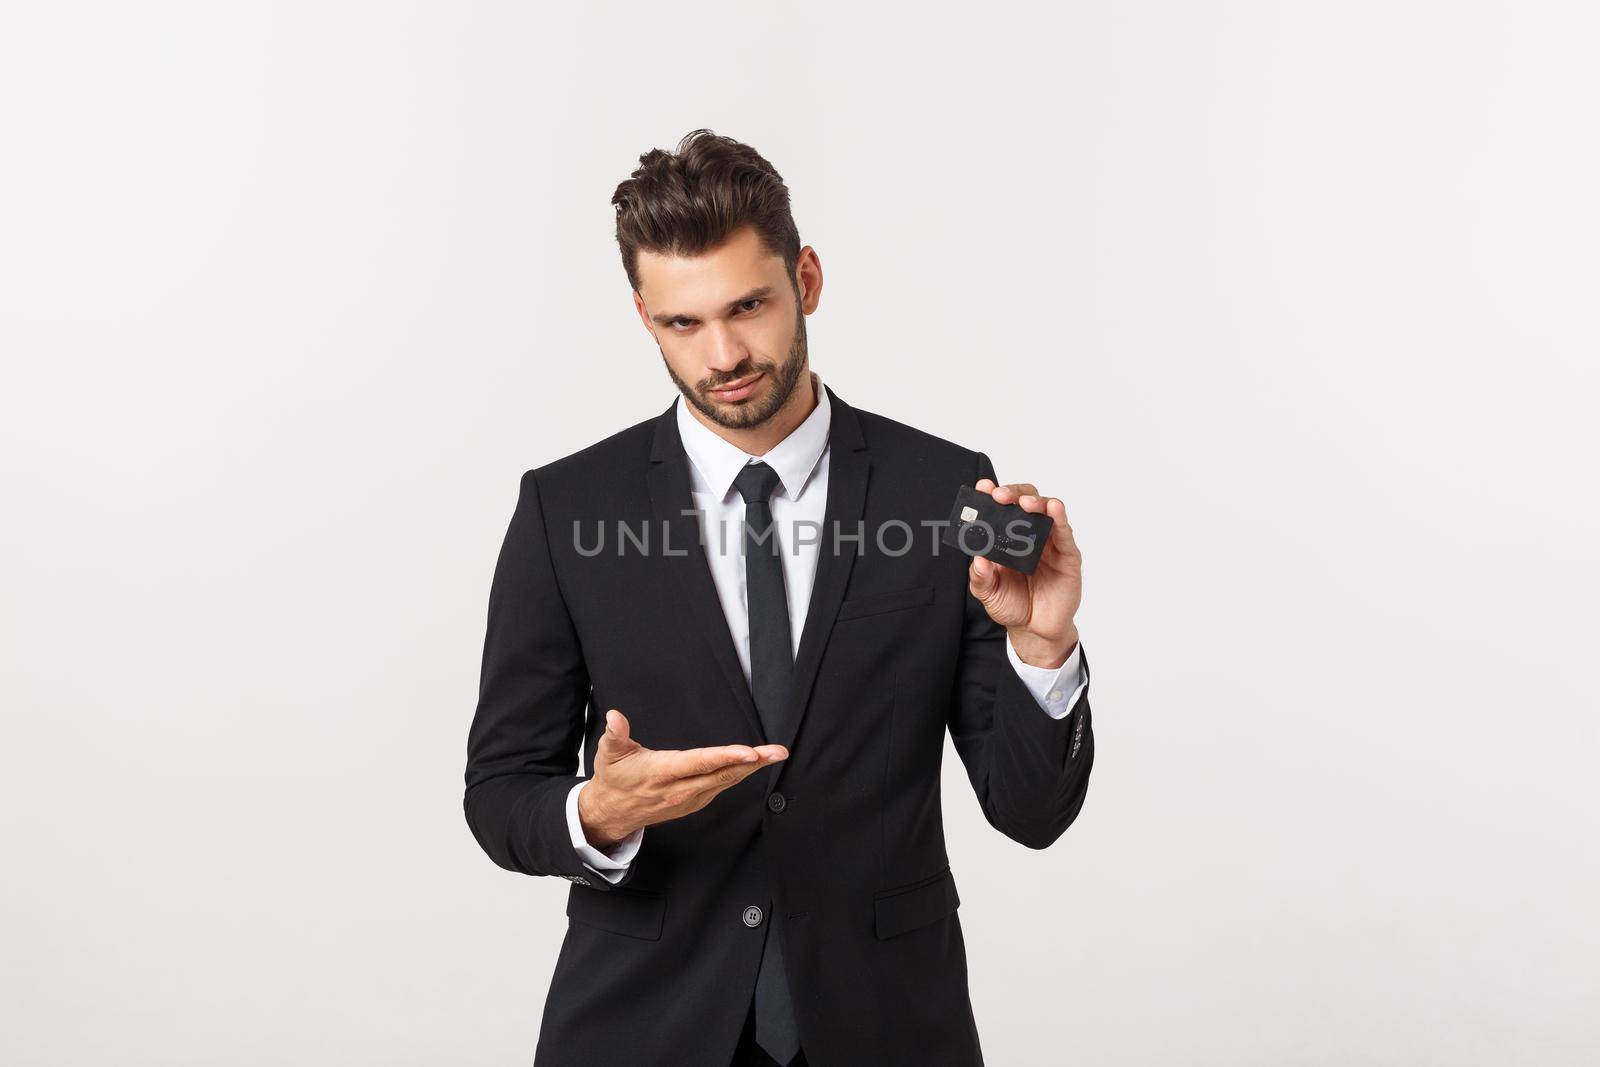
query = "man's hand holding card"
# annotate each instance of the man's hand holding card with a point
(1037, 609)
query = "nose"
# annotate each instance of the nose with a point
(724, 351)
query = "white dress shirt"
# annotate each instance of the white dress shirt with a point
(801, 460)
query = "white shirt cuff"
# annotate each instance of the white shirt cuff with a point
(609, 866)
(1057, 690)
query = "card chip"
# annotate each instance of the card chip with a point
(968, 514)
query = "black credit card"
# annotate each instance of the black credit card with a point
(1004, 533)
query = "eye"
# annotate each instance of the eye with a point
(755, 302)
(674, 324)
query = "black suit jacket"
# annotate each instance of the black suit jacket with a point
(841, 845)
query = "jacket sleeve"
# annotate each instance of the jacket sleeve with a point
(528, 729)
(1029, 770)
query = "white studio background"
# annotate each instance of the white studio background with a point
(1294, 304)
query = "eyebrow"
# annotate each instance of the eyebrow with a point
(662, 318)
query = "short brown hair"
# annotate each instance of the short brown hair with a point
(686, 203)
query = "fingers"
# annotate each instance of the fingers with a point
(693, 762)
(991, 583)
(1061, 531)
(1011, 492)
(698, 789)
(1026, 495)
(703, 787)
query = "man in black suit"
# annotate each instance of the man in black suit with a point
(740, 611)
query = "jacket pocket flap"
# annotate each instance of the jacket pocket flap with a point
(876, 603)
(899, 910)
(621, 911)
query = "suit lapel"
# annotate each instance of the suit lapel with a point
(672, 509)
(848, 466)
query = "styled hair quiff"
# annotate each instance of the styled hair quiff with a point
(687, 202)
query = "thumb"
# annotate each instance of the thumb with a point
(615, 742)
(981, 578)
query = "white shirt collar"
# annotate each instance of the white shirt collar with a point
(715, 462)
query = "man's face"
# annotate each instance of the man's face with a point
(730, 317)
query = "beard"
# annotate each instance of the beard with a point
(784, 376)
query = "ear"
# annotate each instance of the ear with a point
(644, 313)
(808, 276)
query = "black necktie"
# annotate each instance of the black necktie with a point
(771, 665)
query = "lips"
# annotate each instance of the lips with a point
(738, 390)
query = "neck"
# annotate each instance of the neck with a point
(759, 440)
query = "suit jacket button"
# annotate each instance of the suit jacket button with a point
(776, 802)
(752, 916)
